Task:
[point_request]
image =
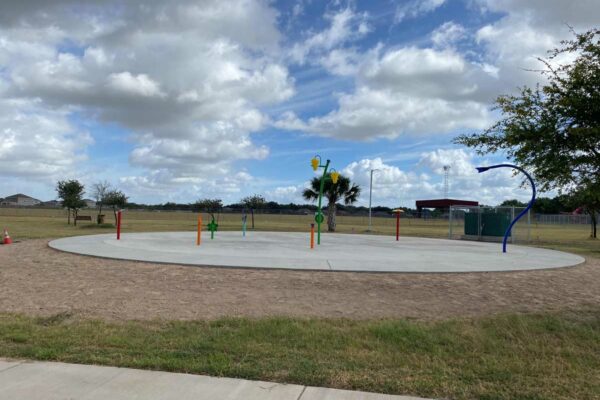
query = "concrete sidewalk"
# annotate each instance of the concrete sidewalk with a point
(52, 380)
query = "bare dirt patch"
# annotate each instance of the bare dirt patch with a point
(37, 280)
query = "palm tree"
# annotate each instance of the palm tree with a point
(343, 189)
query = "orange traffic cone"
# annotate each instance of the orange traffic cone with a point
(7, 239)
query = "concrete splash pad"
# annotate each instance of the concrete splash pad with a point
(338, 252)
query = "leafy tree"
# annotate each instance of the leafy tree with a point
(116, 200)
(210, 206)
(71, 193)
(556, 205)
(99, 191)
(254, 203)
(342, 190)
(589, 200)
(513, 203)
(554, 131)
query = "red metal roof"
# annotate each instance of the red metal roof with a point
(444, 203)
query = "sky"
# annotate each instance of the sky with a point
(182, 100)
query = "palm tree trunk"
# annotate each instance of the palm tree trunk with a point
(331, 209)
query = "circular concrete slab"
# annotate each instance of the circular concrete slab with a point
(338, 252)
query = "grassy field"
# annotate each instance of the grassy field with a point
(535, 356)
(551, 356)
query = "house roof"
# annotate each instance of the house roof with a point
(15, 197)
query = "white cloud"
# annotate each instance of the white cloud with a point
(529, 29)
(326, 47)
(393, 186)
(137, 85)
(37, 143)
(444, 88)
(416, 8)
(368, 114)
(459, 161)
(448, 34)
(187, 80)
(406, 91)
(287, 194)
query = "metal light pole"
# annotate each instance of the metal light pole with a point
(371, 197)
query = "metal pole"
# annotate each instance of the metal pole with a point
(320, 197)
(199, 232)
(119, 225)
(370, 198)
(512, 217)
(528, 226)
(450, 223)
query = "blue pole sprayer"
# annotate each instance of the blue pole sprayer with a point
(508, 230)
(244, 218)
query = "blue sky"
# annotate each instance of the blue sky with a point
(194, 99)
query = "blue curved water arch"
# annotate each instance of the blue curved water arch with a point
(507, 233)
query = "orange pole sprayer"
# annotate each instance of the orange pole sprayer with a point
(199, 230)
(312, 236)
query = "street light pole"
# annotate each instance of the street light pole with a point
(371, 197)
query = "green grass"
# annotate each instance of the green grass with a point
(542, 356)
(532, 357)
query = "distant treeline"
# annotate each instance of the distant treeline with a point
(543, 205)
(269, 207)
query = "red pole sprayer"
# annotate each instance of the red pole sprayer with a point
(397, 212)
(119, 225)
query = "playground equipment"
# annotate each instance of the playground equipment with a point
(340, 252)
(244, 219)
(7, 239)
(212, 227)
(522, 213)
(397, 212)
(199, 232)
(334, 175)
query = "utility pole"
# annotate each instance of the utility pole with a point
(371, 197)
(446, 186)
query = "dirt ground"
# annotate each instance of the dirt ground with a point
(37, 280)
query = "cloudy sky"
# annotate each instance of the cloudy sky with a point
(175, 101)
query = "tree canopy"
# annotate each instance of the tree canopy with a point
(99, 191)
(343, 190)
(71, 193)
(254, 202)
(210, 206)
(554, 130)
(116, 200)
